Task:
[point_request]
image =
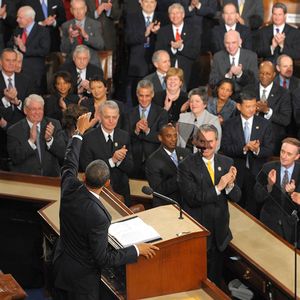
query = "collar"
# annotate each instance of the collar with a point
(230, 27)
(6, 77)
(207, 160)
(179, 28)
(147, 15)
(281, 28)
(250, 121)
(236, 57)
(169, 152)
(30, 124)
(29, 28)
(107, 134)
(267, 88)
(160, 75)
(94, 194)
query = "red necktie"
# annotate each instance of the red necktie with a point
(79, 40)
(284, 85)
(177, 37)
(97, 3)
(24, 37)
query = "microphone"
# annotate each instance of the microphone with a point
(149, 191)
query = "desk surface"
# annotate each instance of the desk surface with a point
(267, 252)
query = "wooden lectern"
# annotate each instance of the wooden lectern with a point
(179, 265)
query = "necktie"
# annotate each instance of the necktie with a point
(246, 132)
(79, 37)
(285, 180)
(45, 9)
(24, 37)
(79, 79)
(147, 23)
(277, 30)
(10, 85)
(143, 115)
(233, 61)
(178, 36)
(174, 158)
(210, 171)
(109, 143)
(96, 3)
(264, 96)
(241, 6)
(163, 82)
(284, 84)
(38, 145)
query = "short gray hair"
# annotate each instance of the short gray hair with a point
(156, 55)
(207, 128)
(81, 49)
(28, 10)
(33, 98)
(145, 84)
(280, 57)
(175, 6)
(201, 92)
(110, 104)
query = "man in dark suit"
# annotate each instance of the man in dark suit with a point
(143, 124)
(107, 12)
(81, 70)
(274, 103)
(251, 12)
(33, 41)
(248, 140)
(162, 63)
(285, 69)
(50, 14)
(230, 17)
(7, 21)
(36, 144)
(112, 145)
(83, 250)
(180, 41)
(140, 35)
(235, 63)
(275, 183)
(206, 182)
(81, 30)
(296, 110)
(278, 38)
(161, 166)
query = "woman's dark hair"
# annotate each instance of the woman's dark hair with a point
(66, 76)
(226, 80)
(71, 114)
(98, 78)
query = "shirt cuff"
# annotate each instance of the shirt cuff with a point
(111, 163)
(20, 105)
(174, 51)
(181, 48)
(32, 145)
(77, 136)
(272, 50)
(240, 75)
(228, 189)
(49, 144)
(6, 103)
(137, 250)
(269, 114)
(217, 191)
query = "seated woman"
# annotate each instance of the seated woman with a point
(189, 121)
(173, 99)
(222, 105)
(99, 95)
(61, 96)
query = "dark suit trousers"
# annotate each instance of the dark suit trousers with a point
(215, 260)
(67, 295)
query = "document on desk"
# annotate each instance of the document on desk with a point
(131, 231)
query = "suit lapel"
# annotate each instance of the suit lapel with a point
(167, 159)
(272, 95)
(255, 130)
(102, 141)
(151, 115)
(32, 33)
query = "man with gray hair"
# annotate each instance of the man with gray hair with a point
(162, 63)
(81, 30)
(143, 124)
(35, 144)
(112, 145)
(207, 182)
(33, 41)
(81, 69)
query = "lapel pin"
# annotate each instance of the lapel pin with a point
(116, 144)
(257, 127)
(184, 33)
(219, 169)
(180, 157)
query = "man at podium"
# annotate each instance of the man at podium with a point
(82, 249)
(206, 181)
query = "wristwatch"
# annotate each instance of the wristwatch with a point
(77, 132)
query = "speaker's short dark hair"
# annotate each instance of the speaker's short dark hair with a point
(96, 174)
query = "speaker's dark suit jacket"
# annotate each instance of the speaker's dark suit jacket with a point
(294, 82)
(271, 214)
(25, 159)
(140, 57)
(218, 32)
(161, 173)
(37, 47)
(200, 199)
(143, 145)
(95, 147)
(291, 43)
(83, 250)
(280, 102)
(233, 141)
(253, 12)
(153, 77)
(296, 109)
(54, 7)
(190, 51)
(221, 66)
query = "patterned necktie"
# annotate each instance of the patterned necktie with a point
(285, 180)
(38, 144)
(45, 9)
(143, 115)
(178, 36)
(284, 84)
(174, 158)
(210, 171)
(147, 22)
(79, 79)
(264, 96)
(109, 143)
(163, 82)
(10, 85)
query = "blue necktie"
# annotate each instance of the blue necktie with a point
(247, 139)
(174, 158)
(45, 9)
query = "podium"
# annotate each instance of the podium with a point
(179, 265)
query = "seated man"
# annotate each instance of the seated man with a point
(206, 182)
(278, 38)
(162, 64)
(161, 166)
(35, 144)
(276, 182)
(248, 140)
(143, 124)
(230, 17)
(112, 145)
(82, 30)
(235, 63)
(81, 69)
